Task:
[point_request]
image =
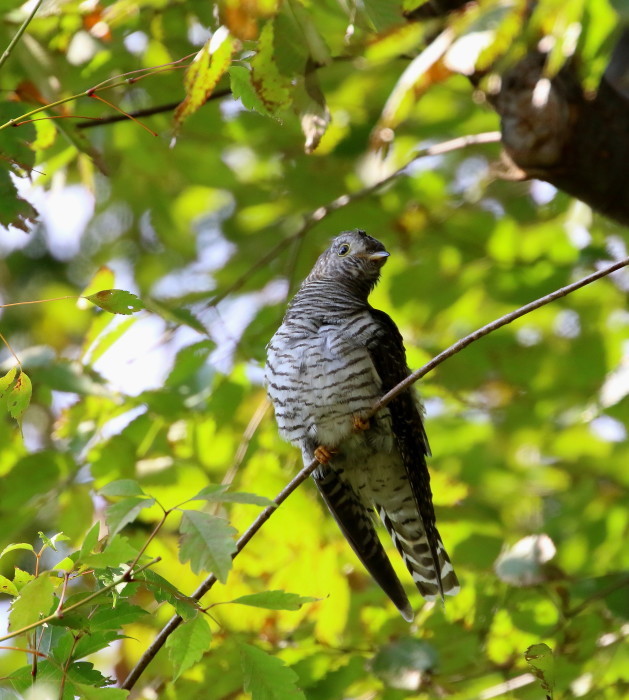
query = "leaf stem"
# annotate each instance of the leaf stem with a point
(59, 613)
(18, 35)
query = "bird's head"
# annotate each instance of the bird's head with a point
(352, 257)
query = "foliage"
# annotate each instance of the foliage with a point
(146, 440)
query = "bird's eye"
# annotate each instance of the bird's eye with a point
(343, 250)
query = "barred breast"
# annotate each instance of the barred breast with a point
(318, 377)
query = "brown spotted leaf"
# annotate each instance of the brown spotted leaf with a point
(271, 86)
(116, 301)
(206, 70)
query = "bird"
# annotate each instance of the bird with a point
(332, 357)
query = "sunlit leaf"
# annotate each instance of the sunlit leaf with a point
(219, 493)
(187, 644)
(542, 662)
(116, 301)
(266, 677)
(207, 542)
(274, 600)
(206, 70)
(34, 601)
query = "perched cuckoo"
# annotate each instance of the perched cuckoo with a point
(333, 356)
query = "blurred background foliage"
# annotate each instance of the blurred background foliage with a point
(204, 220)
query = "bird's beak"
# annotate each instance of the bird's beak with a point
(380, 256)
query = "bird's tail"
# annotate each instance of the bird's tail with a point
(357, 525)
(429, 566)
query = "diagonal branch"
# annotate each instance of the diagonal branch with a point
(246, 537)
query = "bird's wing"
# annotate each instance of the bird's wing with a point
(386, 349)
(357, 525)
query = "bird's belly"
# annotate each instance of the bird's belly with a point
(319, 384)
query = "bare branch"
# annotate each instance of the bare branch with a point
(305, 472)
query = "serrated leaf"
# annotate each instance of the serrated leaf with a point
(14, 211)
(274, 600)
(7, 587)
(124, 613)
(7, 381)
(271, 86)
(122, 487)
(207, 542)
(34, 601)
(206, 70)
(117, 552)
(187, 644)
(124, 512)
(266, 677)
(542, 662)
(243, 90)
(164, 591)
(21, 578)
(18, 545)
(19, 397)
(116, 301)
(90, 541)
(52, 541)
(219, 494)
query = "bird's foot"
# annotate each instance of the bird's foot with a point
(360, 424)
(324, 454)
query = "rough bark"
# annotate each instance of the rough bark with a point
(553, 132)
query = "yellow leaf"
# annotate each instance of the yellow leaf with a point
(204, 73)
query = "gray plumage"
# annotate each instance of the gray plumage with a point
(333, 356)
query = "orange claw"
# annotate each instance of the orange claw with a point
(324, 454)
(360, 424)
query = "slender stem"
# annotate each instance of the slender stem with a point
(622, 582)
(490, 327)
(57, 614)
(246, 537)
(15, 357)
(18, 35)
(66, 666)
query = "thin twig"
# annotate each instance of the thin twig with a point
(320, 213)
(245, 538)
(622, 582)
(490, 327)
(18, 35)
(57, 614)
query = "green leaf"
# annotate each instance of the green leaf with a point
(14, 211)
(7, 587)
(52, 541)
(271, 86)
(204, 72)
(207, 542)
(90, 541)
(119, 551)
(122, 487)
(116, 301)
(35, 601)
(19, 397)
(218, 494)
(6, 382)
(13, 547)
(187, 644)
(243, 90)
(107, 618)
(164, 591)
(275, 600)
(266, 677)
(126, 511)
(542, 662)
